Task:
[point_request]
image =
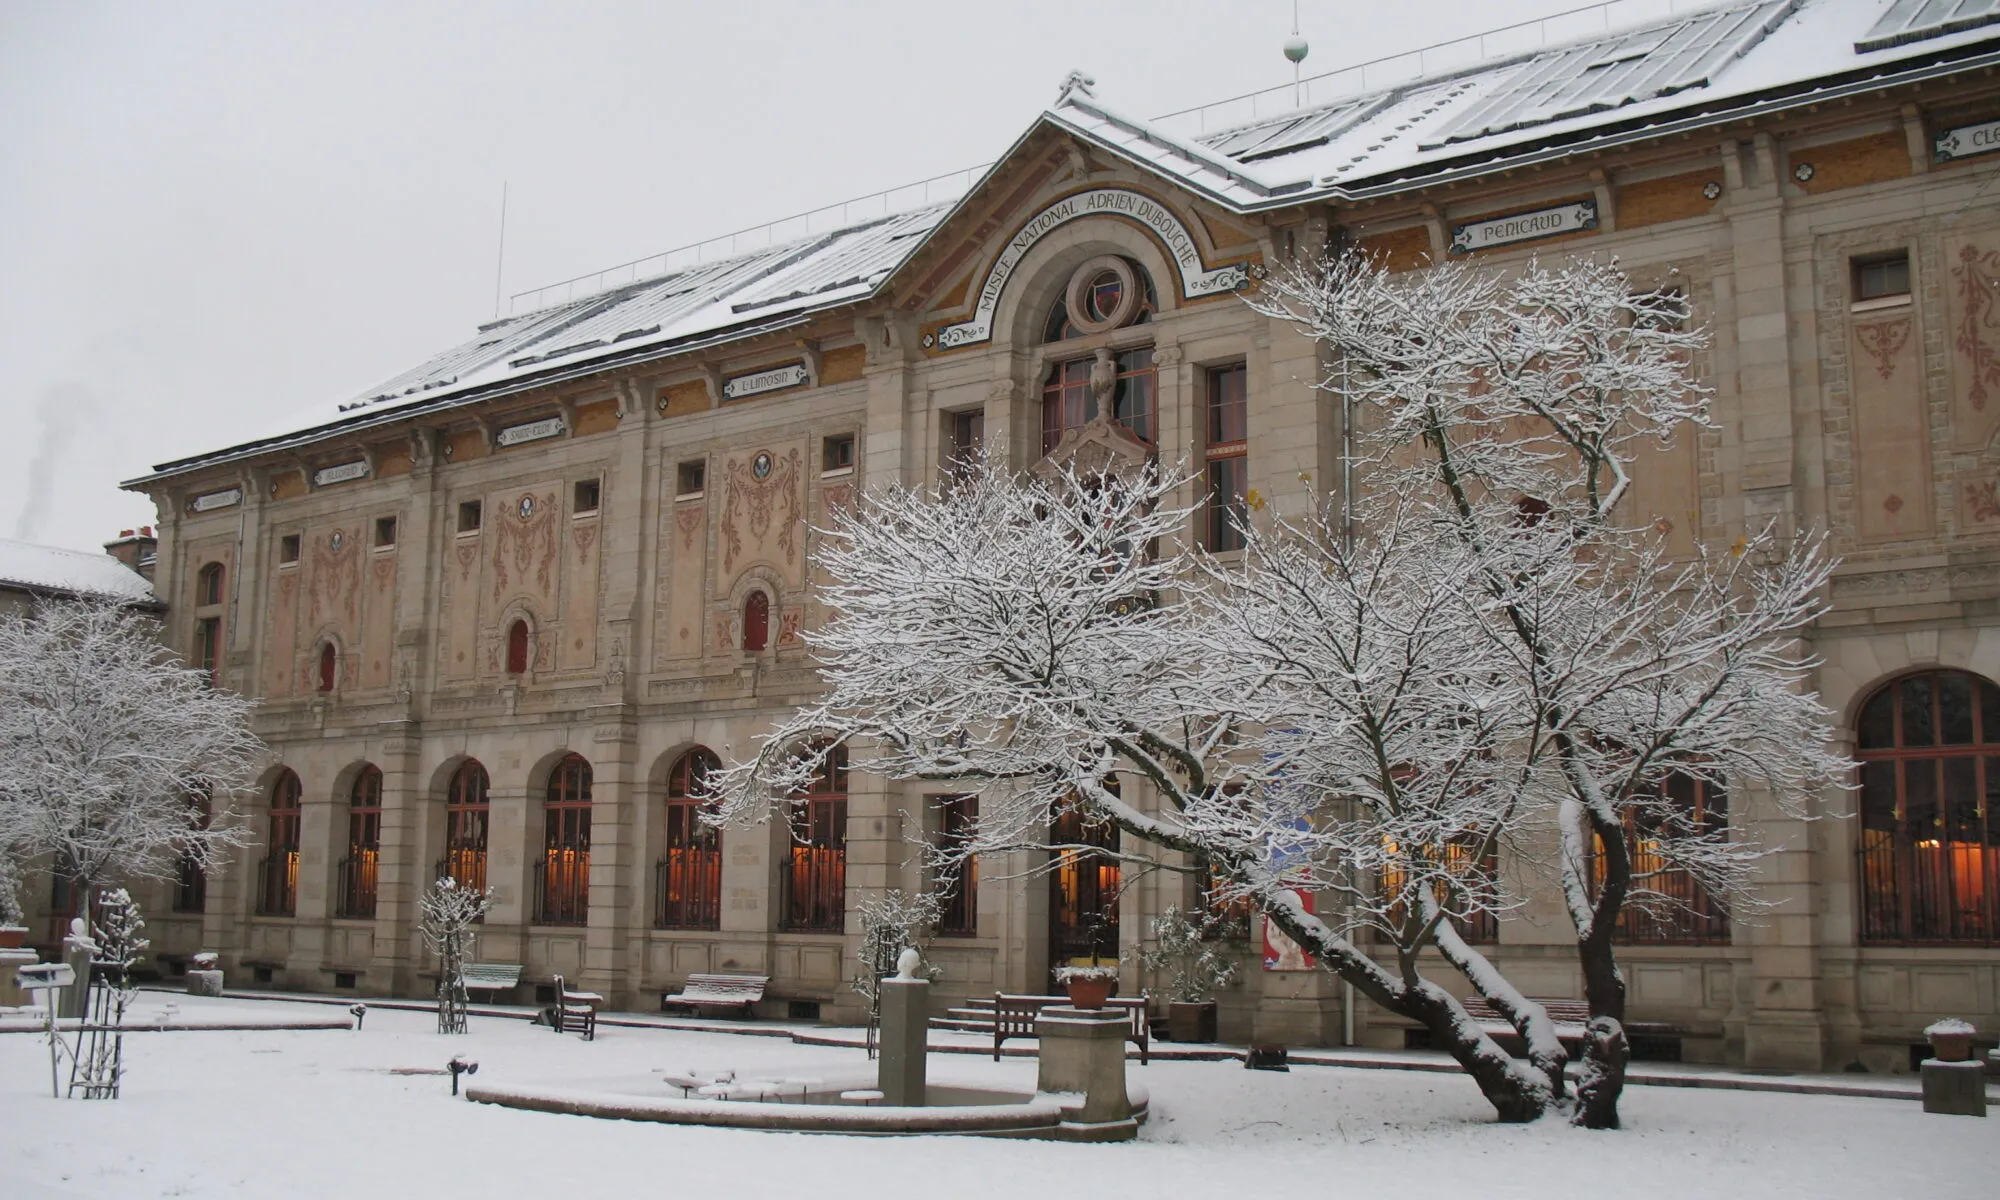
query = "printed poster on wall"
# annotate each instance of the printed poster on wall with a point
(1281, 953)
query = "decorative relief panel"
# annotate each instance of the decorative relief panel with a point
(762, 516)
(1892, 462)
(1972, 306)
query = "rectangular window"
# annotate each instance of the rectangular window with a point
(1882, 276)
(468, 516)
(688, 879)
(288, 548)
(385, 531)
(208, 646)
(837, 453)
(964, 435)
(690, 479)
(959, 889)
(1228, 461)
(815, 879)
(585, 496)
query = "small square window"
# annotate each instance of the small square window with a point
(691, 478)
(344, 979)
(585, 496)
(837, 453)
(288, 548)
(385, 531)
(468, 516)
(1882, 276)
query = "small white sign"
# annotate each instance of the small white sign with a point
(757, 383)
(1966, 141)
(533, 431)
(1524, 227)
(358, 469)
(210, 501)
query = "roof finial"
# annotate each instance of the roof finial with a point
(1075, 82)
(1295, 52)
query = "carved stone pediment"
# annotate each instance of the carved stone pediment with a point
(1101, 447)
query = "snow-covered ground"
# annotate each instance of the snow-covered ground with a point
(325, 1114)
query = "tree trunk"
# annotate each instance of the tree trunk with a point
(1602, 1079)
(1516, 1093)
(1605, 1050)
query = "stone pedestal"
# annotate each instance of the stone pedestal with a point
(1083, 1053)
(204, 983)
(903, 1045)
(11, 996)
(77, 953)
(1956, 1089)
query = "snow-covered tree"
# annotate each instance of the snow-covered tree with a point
(1369, 703)
(108, 745)
(449, 922)
(98, 1068)
(1499, 420)
(1035, 640)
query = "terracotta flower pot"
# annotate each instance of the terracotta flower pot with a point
(1951, 1047)
(13, 937)
(1088, 992)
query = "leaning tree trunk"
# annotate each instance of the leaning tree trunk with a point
(1516, 1094)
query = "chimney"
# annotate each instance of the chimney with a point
(135, 548)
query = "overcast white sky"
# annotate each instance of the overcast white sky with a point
(212, 215)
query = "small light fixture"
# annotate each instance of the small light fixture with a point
(1712, 190)
(1803, 172)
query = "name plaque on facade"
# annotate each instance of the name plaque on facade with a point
(1524, 227)
(533, 431)
(1966, 141)
(210, 501)
(1197, 279)
(357, 469)
(777, 379)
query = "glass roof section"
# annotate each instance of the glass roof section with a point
(1917, 20)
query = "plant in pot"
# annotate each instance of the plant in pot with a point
(1951, 1039)
(1192, 965)
(1088, 987)
(204, 977)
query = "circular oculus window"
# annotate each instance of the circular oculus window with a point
(1104, 293)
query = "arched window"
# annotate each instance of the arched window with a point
(517, 648)
(689, 875)
(1102, 294)
(364, 845)
(1929, 746)
(329, 666)
(278, 894)
(756, 622)
(208, 585)
(1667, 905)
(465, 813)
(563, 876)
(1069, 401)
(815, 878)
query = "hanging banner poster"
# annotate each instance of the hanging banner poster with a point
(1281, 953)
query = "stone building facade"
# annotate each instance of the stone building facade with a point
(492, 607)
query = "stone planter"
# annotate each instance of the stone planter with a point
(13, 937)
(204, 983)
(1191, 1020)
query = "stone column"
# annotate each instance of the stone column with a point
(401, 874)
(614, 865)
(904, 1045)
(1082, 1053)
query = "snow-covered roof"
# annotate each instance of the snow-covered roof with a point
(1633, 81)
(1648, 80)
(25, 566)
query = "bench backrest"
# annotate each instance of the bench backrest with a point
(728, 985)
(1561, 1011)
(1015, 1015)
(491, 975)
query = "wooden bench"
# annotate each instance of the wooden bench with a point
(491, 977)
(1569, 1018)
(575, 1012)
(719, 993)
(1014, 1016)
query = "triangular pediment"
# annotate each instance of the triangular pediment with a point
(1051, 179)
(1101, 448)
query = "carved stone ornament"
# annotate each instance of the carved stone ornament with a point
(1100, 448)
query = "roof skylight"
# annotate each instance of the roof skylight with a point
(1919, 20)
